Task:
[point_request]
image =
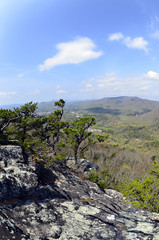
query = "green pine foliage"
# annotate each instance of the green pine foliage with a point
(6, 118)
(23, 126)
(99, 177)
(77, 133)
(45, 137)
(144, 193)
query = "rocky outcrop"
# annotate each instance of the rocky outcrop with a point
(43, 204)
(81, 166)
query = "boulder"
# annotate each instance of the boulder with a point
(82, 165)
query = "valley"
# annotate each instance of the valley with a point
(132, 127)
(122, 140)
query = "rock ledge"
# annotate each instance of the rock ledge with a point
(42, 204)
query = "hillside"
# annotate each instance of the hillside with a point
(130, 121)
(116, 106)
(133, 128)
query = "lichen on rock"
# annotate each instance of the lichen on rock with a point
(37, 203)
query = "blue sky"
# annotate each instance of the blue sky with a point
(78, 49)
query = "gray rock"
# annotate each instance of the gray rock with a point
(15, 177)
(45, 204)
(83, 165)
(114, 194)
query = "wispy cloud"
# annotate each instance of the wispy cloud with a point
(60, 91)
(77, 51)
(4, 94)
(137, 43)
(116, 36)
(153, 27)
(102, 85)
(155, 34)
(152, 75)
(20, 75)
(110, 85)
(34, 92)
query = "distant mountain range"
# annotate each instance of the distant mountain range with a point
(10, 106)
(130, 106)
(123, 105)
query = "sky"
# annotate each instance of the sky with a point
(78, 49)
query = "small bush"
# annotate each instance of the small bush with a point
(93, 176)
(144, 194)
(100, 178)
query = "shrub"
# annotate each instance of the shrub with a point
(145, 193)
(100, 178)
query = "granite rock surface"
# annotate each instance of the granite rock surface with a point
(37, 203)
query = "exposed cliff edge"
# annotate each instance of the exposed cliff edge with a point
(38, 203)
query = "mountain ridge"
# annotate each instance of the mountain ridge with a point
(105, 99)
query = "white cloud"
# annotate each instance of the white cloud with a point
(4, 94)
(110, 82)
(60, 91)
(137, 43)
(107, 78)
(74, 52)
(144, 88)
(152, 75)
(116, 36)
(111, 85)
(89, 87)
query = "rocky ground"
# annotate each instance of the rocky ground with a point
(43, 204)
